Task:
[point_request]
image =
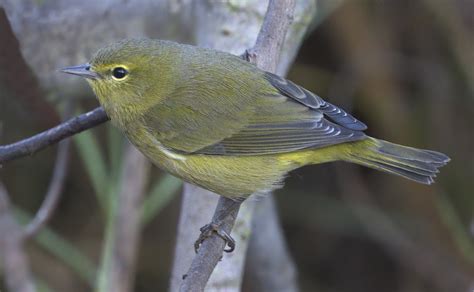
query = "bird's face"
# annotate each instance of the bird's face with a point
(127, 76)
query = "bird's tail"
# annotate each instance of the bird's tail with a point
(411, 163)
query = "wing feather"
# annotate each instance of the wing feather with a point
(309, 99)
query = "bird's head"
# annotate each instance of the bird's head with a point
(130, 75)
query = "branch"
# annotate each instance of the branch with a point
(265, 54)
(44, 139)
(210, 252)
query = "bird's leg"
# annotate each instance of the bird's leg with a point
(225, 207)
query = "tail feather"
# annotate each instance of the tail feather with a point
(416, 164)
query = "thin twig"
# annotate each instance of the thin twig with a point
(15, 264)
(52, 136)
(55, 188)
(54, 191)
(265, 54)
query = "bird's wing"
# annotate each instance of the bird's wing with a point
(285, 126)
(284, 119)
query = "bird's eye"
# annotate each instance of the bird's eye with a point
(119, 72)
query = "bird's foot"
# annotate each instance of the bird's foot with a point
(207, 231)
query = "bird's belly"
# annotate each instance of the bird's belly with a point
(230, 176)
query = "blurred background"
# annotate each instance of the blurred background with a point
(404, 67)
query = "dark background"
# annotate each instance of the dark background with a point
(405, 68)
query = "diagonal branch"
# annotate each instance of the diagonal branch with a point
(210, 251)
(52, 136)
(265, 54)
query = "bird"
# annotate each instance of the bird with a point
(219, 122)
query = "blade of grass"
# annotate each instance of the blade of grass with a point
(94, 163)
(115, 142)
(101, 284)
(115, 150)
(160, 194)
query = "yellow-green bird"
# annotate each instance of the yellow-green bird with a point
(221, 123)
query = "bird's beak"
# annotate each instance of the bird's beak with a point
(83, 70)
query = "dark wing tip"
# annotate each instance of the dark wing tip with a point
(311, 100)
(295, 92)
(342, 118)
(438, 158)
(358, 126)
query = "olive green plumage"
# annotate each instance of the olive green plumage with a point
(220, 122)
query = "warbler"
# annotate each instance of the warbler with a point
(219, 122)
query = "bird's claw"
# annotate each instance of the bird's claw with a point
(208, 229)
